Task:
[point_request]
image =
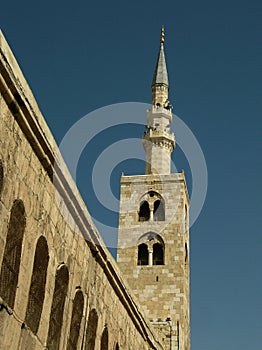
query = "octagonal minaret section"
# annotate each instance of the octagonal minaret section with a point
(158, 141)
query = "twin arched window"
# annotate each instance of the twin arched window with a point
(152, 207)
(150, 250)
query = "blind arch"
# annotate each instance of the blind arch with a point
(104, 340)
(12, 253)
(37, 286)
(77, 313)
(57, 309)
(91, 330)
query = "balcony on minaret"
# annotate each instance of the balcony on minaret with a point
(160, 137)
(159, 109)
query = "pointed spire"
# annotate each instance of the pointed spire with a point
(160, 75)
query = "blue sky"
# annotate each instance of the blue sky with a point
(81, 55)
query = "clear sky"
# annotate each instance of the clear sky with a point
(79, 56)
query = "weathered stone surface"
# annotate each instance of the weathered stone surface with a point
(27, 172)
(162, 290)
(153, 236)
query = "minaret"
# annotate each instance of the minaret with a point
(153, 235)
(158, 142)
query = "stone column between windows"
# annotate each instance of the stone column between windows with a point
(151, 207)
(150, 256)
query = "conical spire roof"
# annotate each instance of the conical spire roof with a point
(160, 75)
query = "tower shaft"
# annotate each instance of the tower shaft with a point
(153, 236)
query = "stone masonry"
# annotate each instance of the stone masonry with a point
(59, 286)
(153, 237)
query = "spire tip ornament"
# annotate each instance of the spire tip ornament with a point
(162, 37)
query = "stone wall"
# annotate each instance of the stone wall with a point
(59, 286)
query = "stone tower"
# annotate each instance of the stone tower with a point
(153, 237)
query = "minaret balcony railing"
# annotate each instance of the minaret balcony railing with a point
(154, 133)
(158, 109)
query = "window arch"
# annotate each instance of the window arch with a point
(37, 287)
(152, 207)
(76, 318)
(117, 347)
(151, 249)
(142, 258)
(12, 253)
(57, 309)
(144, 211)
(104, 340)
(91, 330)
(159, 210)
(1, 176)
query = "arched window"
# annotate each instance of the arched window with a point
(144, 212)
(158, 254)
(186, 254)
(159, 210)
(150, 249)
(117, 347)
(37, 287)
(142, 254)
(1, 177)
(76, 318)
(91, 330)
(104, 340)
(12, 253)
(57, 309)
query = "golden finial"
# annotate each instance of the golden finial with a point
(162, 37)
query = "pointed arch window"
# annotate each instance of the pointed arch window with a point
(142, 254)
(104, 339)
(144, 212)
(91, 330)
(117, 347)
(12, 253)
(76, 318)
(151, 249)
(159, 210)
(57, 309)
(158, 254)
(37, 287)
